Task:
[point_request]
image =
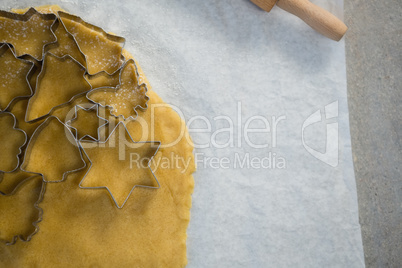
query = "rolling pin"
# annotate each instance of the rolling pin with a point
(319, 19)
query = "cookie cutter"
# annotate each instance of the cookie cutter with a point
(25, 17)
(12, 188)
(36, 206)
(111, 37)
(94, 107)
(20, 148)
(105, 187)
(55, 44)
(38, 81)
(107, 76)
(73, 141)
(115, 89)
(3, 49)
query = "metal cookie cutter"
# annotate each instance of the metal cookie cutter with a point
(24, 18)
(90, 107)
(104, 143)
(39, 80)
(114, 38)
(3, 49)
(69, 136)
(115, 89)
(9, 181)
(36, 206)
(58, 44)
(4, 140)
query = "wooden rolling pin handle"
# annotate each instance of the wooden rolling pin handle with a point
(319, 19)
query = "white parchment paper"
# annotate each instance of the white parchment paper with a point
(230, 67)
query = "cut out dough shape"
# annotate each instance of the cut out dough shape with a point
(11, 141)
(59, 82)
(13, 76)
(127, 97)
(52, 152)
(29, 34)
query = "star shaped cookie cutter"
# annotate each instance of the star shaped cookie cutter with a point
(3, 49)
(90, 107)
(25, 17)
(107, 188)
